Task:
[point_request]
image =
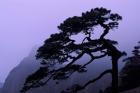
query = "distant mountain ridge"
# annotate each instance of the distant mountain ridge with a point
(29, 65)
(1, 84)
(17, 76)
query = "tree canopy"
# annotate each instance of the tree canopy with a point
(61, 48)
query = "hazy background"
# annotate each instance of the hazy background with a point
(26, 23)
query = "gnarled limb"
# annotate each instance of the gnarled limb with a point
(77, 87)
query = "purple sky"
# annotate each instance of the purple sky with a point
(26, 23)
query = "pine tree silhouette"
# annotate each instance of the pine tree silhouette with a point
(60, 48)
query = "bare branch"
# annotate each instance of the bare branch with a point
(77, 87)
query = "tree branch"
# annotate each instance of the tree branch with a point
(79, 88)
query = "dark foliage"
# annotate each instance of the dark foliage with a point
(130, 74)
(60, 48)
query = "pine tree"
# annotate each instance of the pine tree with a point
(62, 49)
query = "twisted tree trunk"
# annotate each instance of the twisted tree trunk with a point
(115, 76)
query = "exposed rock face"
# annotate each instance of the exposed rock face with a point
(29, 65)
